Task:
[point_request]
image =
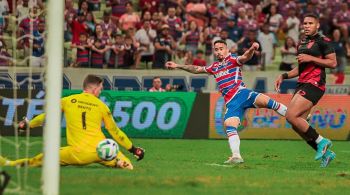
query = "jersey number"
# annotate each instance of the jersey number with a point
(83, 119)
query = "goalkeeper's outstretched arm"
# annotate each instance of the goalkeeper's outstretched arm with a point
(119, 136)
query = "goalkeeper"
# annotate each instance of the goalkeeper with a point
(84, 114)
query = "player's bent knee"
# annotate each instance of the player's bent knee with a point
(233, 121)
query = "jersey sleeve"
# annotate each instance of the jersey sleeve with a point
(326, 46)
(209, 69)
(39, 120)
(116, 133)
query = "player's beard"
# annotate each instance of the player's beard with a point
(220, 57)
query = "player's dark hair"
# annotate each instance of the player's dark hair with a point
(311, 15)
(220, 41)
(156, 77)
(91, 80)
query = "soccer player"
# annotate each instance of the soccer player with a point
(84, 114)
(314, 55)
(227, 73)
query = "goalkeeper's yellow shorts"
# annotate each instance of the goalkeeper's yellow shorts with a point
(73, 156)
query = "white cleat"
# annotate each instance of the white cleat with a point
(234, 160)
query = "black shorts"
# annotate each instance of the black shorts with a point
(309, 92)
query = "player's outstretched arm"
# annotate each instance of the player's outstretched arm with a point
(288, 75)
(122, 139)
(249, 53)
(189, 68)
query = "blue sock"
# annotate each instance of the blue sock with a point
(230, 131)
(272, 104)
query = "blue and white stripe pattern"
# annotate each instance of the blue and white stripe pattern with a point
(231, 131)
(272, 104)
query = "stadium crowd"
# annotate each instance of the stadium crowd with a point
(147, 33)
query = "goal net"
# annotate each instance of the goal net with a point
(31, 61)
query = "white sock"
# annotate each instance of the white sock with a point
(282, 109)
(234, 142)
(318, 140)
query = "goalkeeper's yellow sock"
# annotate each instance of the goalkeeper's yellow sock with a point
(33, 162)
(12, 163)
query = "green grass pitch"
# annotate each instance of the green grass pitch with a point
(195, 167)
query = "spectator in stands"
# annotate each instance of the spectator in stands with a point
(117, 53)
(83, 7)
(156, 85)
(268, 44)
(145, 36)
(341, 20)
(289, 52)
(293, 24)
(260, 16)
(235, 33)
(22, 10)
(118, 8)
(4, 11)
(242, 18)
(251, 24)
(254, 63)
(232, 46)
(26, 27)
(340, 51)
(130, 19)
(222, 15)
(149, 5)
(98, 50)
(208, 35)
(199, 59)
(5, 57)
(69, 15)
(156, 21)
(325, 19)
(83, 51)
(274, 19)
(94, 5)
(38, 51)
(146, 16)
(174, 22)
(192, 38)
(78, 27)
(179, 55)
(212, 7)
(164, 46)
(129, 53)
(108, 26)
(196, 11)
(90, 22)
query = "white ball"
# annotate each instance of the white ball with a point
(107, 149)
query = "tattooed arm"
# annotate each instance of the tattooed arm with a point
(189, 68)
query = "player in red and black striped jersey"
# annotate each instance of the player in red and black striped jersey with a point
(314, 55)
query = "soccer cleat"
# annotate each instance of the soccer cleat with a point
(2, 161)
(322, 148)
(327, 158)
(234, 160)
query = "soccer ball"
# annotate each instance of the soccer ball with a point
(107, 149)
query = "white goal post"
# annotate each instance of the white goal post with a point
(52, 128)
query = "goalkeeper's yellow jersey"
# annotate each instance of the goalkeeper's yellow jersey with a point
(84, 115)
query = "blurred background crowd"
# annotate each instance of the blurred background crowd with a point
(141, 34)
